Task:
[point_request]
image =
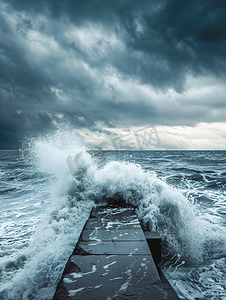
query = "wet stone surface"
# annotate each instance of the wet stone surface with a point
(112, 261)
(94, 223)
(118, 247)
(114, 214)
(100, 234)
(112, 277)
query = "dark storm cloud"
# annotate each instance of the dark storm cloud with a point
(50, 74)
(180, 36)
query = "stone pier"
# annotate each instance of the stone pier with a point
(114, 260)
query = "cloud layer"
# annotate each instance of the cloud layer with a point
(115, 63)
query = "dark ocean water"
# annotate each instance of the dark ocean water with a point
(43, 209)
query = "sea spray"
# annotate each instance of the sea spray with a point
(162, 206)
(58, 203)
(33, 272)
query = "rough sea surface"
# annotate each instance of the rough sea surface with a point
(45, 202)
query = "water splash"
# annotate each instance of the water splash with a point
(33, 272)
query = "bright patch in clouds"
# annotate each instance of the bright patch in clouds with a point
(204, 136)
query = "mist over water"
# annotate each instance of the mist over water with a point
(45, 205)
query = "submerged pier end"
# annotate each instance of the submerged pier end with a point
(113, 259)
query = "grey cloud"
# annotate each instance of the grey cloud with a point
(178, 36)
(159, 44)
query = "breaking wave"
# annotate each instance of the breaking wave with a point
(75, 180)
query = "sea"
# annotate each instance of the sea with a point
(49, 186)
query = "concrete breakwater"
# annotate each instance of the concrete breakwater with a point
(114, 259)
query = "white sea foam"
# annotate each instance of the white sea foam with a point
(34, 271)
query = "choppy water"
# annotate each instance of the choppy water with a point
(43, 209)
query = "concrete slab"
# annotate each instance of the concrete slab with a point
(155, 245)
(111, 214)
(110, 247)
(152, 235)
(113, 235)
(93, 223)
(111, 277)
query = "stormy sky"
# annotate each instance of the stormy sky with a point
(106, 68)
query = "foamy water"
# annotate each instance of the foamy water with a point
(44, 207)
